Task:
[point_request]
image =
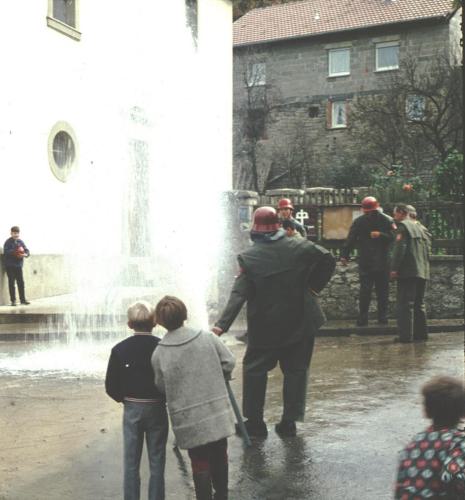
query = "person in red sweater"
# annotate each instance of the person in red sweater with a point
(432, 465)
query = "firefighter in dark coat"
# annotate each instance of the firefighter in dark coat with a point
(372, 234)
(285, 210)
(280, 279)
(410, 266)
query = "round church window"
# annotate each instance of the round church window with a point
(62, 153)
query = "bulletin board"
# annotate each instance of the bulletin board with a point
(337, 221)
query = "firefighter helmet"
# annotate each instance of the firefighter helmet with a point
(285, 203)
(369, 203)
(265, 220)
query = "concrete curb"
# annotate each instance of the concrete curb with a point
(384, 330)
(347, 328)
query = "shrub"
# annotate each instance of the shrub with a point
(396, 185)
(448, 178)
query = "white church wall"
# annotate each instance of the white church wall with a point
(128, 56)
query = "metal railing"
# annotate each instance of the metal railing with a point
(445, 220)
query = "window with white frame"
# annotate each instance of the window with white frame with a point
(339, 62)
(415, 106)
(65, 11)
(387, 56)
(256, 74)
(63, 16)
(338, 114)
(62, 151)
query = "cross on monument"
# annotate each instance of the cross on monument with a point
(301, 215)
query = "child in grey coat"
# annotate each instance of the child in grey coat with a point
(189, 367)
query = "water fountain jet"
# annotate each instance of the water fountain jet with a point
(140, 217)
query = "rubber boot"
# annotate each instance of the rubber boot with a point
(286, 428)
(219, 472)
(253, 396)
(364, 299)
(203, 485)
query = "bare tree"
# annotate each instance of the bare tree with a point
(295, 155)
(252, 110)
(416, 121)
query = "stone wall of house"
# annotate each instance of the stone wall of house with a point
(455, 36)
(298, 89)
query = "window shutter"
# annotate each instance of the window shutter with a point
(347, 106)
(329, 114)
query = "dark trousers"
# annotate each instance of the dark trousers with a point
(210, 468)
(380, 279)
(15, 274)
(294, 361)
(411, 309)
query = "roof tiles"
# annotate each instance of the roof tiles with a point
(313, 17)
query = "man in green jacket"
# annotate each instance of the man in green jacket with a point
(279, 278)
(410, 266)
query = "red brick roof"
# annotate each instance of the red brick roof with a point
(313, 17)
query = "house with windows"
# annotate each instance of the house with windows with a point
(300, 66)
(95, 114)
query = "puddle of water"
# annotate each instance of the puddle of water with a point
(67, 359)
(75, 359)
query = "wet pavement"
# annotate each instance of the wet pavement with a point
(49, 326)
(61, 435)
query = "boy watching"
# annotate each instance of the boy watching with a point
(129, 380)
(15, 250)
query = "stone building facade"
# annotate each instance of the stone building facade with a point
(297, 73)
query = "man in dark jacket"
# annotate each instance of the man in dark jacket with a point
(15, 250)
(130, 380)
(372, 234)
(410, 266)
(279, 278)
(285, 210)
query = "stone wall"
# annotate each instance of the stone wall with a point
(445, 292)
(456, 35)
(444, 295)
